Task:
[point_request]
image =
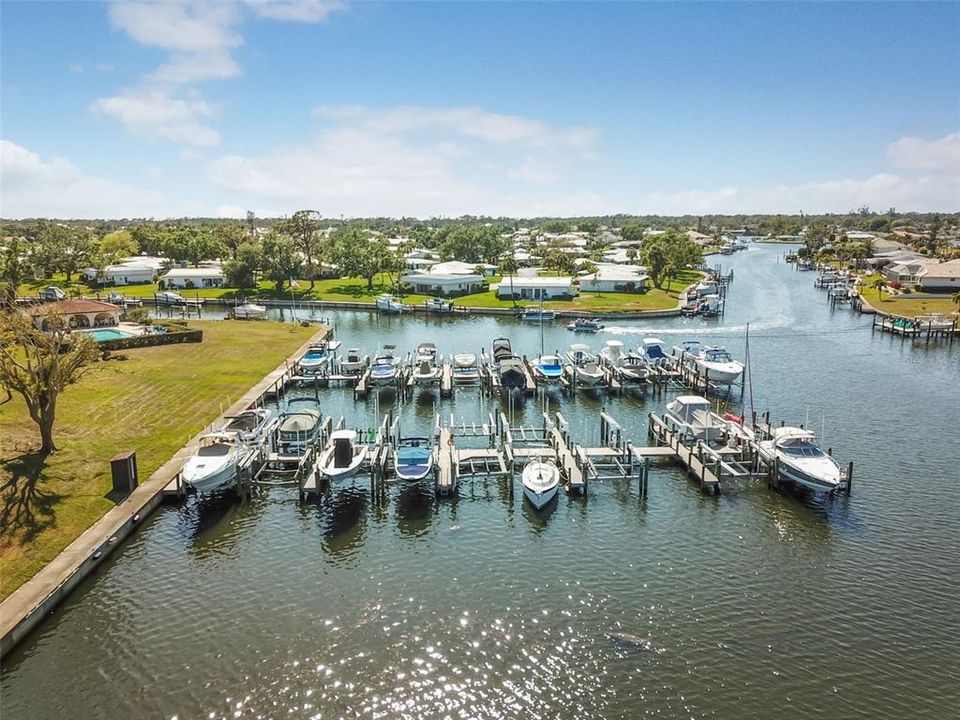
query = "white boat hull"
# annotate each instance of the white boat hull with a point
(327, 469)
(721, 373)
(589, 378)
(427, 379)
(541, 483)
(206, 479)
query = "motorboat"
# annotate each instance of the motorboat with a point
(585, 325)
(250, 311)
(53, 293)
(934, 321)
(115, 298)
(465, 369)
(692, 417)
(298, 427)
(388, 304)
(541, 482)
(654, 351)
(548, 368)
(537, 314)
(500, 350)
(710, 306)
(249, 427)
(214, 465)
(413, 459)
(353, 363)
(586, 368)
(437, 305)
(425, 370)
(611, 353)
(383, 370)
(630, 368)
(511, 373)
(343, 455)
(315, 358)
(706, 287)
(713, 362)
(800, 460)
(168, 297)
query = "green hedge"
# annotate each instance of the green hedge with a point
(140, 341)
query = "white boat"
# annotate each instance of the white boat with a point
(631, 368)
(465, 369)
(585, 325)
(387, 303)
(53, 293)
(438, 305)
(249, 426)
(541, 482)
(934, 321)
(298, 427)
(537, 314)
(383, 370)
(343, 455)
(800, 461)
(548, 368)
(691, 416)
(353, 363)
(710, 306)
(706, 287)
(315, 358)
(586, 368)
(426, 371)
(654, 351)
(413, 459)
(167, 297)
(214, 465)
(250, 311)
(115, 298)
(713, 362)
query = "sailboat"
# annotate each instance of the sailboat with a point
(541, 482)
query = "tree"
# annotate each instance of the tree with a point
(232, 236)
(509, 267)
(39, 365)
(879, 284)
(14, 266)
(956, 299)
(588, 225)
(281, 259)
(241, 271)
(632, 254)
(654, 257)
(634, 232)
(304, 227)
(74, 244)
(118, 245)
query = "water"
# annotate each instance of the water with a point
(755, 604)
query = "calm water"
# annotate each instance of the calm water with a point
(756, 604)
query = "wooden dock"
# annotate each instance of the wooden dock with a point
(443, 463)
(446, 380)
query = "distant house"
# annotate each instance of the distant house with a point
(536, 288)
(190, 278)
(614, 280)
(455, 267)
(77, 313)
(940, 277)
(907, 272)
(447, 285)
(122, 274)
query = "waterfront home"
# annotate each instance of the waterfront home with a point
(940, 277)
(418, 264)
(121, 274)
(447, 285)
(614, 280)
(536, 288)
(908, 272)
(189, 278)
(77, 313)
(455, 267)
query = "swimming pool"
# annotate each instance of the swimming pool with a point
(109, 334)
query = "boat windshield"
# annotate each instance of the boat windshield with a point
(802, 450)
(718, 355)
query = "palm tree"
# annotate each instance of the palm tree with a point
(508, 266)
(956, 299)
(879, 284)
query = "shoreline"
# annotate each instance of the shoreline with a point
(28, 605)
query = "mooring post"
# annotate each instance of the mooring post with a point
(849, 476)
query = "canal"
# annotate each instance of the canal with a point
(754, 604)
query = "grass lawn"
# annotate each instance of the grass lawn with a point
(906, 305)
(152, 403)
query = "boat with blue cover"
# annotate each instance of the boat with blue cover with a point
(548, 368)
(413, 459)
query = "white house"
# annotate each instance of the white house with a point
(436, 284)
(189, 278)
(536, 288)
(455, 267)
(940, 277)
(121, 274)
(614, 280)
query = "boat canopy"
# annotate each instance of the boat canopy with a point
(350, 435)
(580, 347)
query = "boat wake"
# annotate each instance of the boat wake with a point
(777, 322)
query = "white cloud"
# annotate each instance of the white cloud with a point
(33, 187)
(187, 68)
(915, 153)
(179, 26)
(158, 115)
(310, 11)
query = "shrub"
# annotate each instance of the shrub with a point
(139, 315)
(895, 285)
(906, 291)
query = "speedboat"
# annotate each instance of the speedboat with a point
(413, 459)
(692, 417)
(426, 371)
(249, 427)
(585, 325)
(630, 368)
(168, 298)
(710, 305)
(512, 375)
(387, 303)
(541, 482)
(548, 368)
(714, 362)
(611, 353)
(353, 363)
(800, 460)
(465, 370)
(315, 358)
(586, 369)
(250, 311)
(706, 287)
(383, 371)
(537, 314)
(298, 428)
(654, 352)
(343, 455)
(115, 298)
(437, 305)
(214, 465)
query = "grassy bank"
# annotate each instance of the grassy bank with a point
(907, 305)
(152, 403)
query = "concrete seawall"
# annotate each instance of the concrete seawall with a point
(33, 600)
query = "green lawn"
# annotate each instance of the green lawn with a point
(908, 305)
(152, 403)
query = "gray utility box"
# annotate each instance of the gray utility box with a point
(123, 467)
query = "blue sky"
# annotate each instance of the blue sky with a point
(166, 109)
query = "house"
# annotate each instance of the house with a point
(535, 288)
(907, 272)
(190, 278)
(455, 267)
(940, 277)
(77, 313)
(418, 264)
(614, 280)
(447, 285)
(122, 274)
